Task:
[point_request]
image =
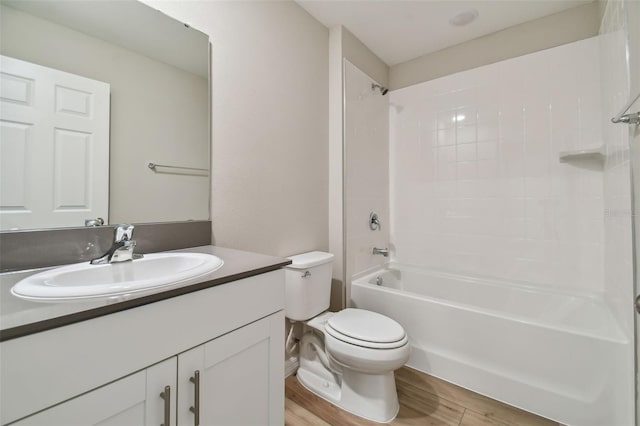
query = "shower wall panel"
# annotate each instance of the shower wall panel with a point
(618, 233)
(476, 184)
(366, 176)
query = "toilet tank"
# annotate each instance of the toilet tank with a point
(307, 285)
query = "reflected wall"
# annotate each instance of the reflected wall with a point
(159, 113)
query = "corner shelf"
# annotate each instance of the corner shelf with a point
(597, 153)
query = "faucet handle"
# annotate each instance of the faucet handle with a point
(123, 232)
(374, 221)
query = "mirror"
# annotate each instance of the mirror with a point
(125, 86)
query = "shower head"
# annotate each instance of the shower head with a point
(382, 89)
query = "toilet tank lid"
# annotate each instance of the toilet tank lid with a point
(307, 260)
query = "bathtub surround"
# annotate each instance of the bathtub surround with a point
(366, 157)
(343, 47)
(634, 45)
(478, 190)
(476, 183)
(633, 15)
(618, 268)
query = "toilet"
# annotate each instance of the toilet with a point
(346, 357)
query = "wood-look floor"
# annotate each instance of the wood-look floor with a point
(424, 400)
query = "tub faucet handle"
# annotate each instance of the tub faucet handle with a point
(374, 221)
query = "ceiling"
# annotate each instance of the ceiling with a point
(400, 30)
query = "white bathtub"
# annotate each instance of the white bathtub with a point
(556, 354)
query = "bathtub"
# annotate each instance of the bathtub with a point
(557, 354)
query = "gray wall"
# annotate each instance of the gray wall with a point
(571, 25)
(359, 55)
(270, 123)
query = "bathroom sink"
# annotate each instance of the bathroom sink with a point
(116, 281)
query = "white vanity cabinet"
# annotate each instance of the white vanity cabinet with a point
(111, 370)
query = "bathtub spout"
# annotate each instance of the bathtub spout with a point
(382, 251)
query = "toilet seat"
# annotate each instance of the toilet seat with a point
(366, 329)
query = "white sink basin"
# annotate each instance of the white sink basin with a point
(116, 281)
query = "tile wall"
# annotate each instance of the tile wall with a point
(618, 231)
(476, 184)
(618, 234)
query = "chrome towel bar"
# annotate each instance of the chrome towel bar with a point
(187, 170)
(631, 118)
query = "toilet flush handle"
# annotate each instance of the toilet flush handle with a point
(306, 274)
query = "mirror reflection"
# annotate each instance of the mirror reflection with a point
(93, 93)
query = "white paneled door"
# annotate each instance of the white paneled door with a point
(54, 147)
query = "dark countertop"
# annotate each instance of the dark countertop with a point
(20, 318)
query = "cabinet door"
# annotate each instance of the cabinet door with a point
(241, 377)
(133, 400)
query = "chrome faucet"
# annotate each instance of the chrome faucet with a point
(382, 251)
(122, 248)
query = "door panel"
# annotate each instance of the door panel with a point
(236, 370)
(54, 147)
(241, 377)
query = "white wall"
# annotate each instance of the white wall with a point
(366, 170)
(343, 46)
(554, 30)
(617, 176)
(270, 123)
(476, 184)
(618, 231)
(141, 103)
(633, 11)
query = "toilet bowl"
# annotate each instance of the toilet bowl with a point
(348, 357)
